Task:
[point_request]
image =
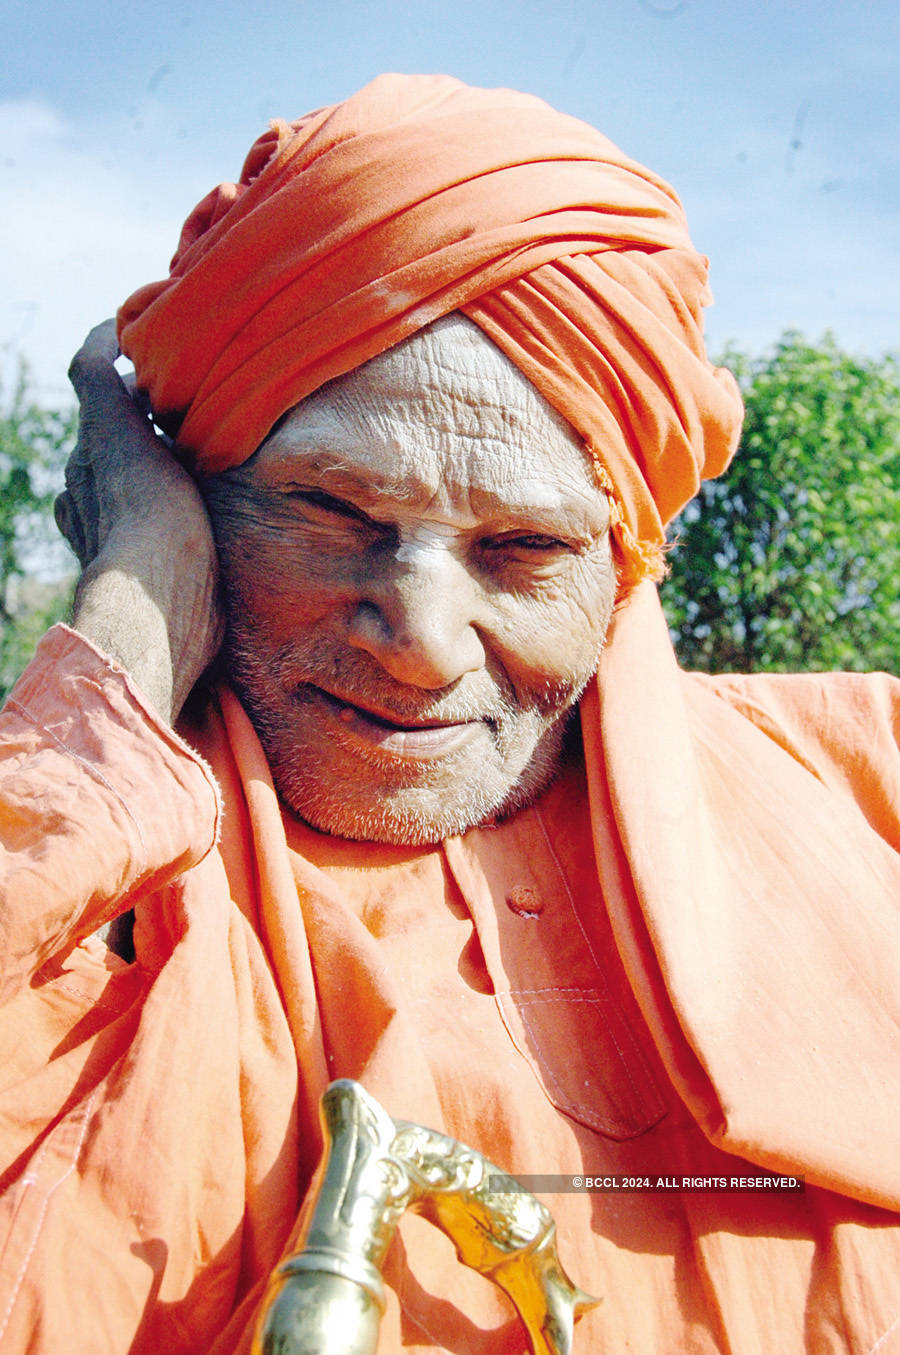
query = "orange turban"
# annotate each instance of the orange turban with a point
(360, 223)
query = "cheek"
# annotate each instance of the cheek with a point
(286, 579)
(554, 636)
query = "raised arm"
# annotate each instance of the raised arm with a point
(148, 593)
(100, 801)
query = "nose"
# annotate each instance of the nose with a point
(417, 617)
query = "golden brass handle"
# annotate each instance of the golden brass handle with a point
(328, 1298)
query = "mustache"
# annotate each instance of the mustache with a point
(354, 676)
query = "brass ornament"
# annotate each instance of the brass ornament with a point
(327, 1299)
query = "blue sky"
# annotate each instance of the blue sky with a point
(777, 124)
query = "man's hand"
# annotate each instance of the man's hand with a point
(148, 595)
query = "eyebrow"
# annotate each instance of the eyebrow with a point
(315, 472)
(568, 518)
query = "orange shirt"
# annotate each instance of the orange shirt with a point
(156, 1136)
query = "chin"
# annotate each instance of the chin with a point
(414, 815)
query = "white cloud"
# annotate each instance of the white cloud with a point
(80, 231)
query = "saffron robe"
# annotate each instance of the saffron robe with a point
(677, 963)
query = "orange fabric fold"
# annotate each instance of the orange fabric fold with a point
(754, 906)
(359, 224)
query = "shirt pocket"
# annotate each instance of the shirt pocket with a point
(585, 1058)
(559, 986)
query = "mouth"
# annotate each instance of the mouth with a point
(407, 739)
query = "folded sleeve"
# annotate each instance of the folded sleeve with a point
(100, 803)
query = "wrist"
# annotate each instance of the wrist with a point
(114, 612)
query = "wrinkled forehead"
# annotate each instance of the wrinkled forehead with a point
(444, 409)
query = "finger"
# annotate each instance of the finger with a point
(83, 503)
(91, 371)
(68, 523)
(104, 394)
(101, 345)
(106, 404)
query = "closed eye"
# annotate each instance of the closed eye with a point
(318, 498)
(527, 541)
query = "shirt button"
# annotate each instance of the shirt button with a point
(525, 902)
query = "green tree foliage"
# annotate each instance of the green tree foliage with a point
(34, 592)
(791, 560)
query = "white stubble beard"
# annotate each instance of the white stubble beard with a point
(410, 811)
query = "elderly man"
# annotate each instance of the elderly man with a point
(453, 824)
